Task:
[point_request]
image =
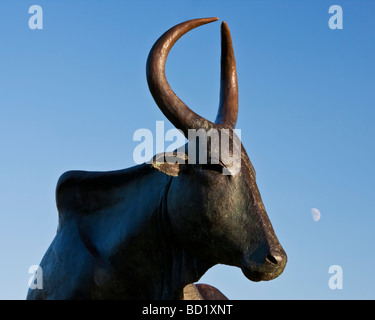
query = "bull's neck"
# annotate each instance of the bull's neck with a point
(178, 265)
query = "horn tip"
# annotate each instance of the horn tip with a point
(224, 25)
(225, 30)
(211, 19)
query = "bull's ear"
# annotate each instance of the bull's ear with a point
(169, 162)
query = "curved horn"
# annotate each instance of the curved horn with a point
(228, 107)
(173, 108)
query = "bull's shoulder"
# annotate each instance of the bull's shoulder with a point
(99, 178)
(85, 192)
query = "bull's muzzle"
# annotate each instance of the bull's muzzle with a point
(265, 267)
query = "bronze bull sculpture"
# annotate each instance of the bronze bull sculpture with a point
(148, 231)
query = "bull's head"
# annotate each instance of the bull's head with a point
(220, 217)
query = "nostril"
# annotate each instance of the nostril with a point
(270, 258)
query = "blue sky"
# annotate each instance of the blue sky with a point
(73, 94)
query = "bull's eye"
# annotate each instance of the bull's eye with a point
(213, 167)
